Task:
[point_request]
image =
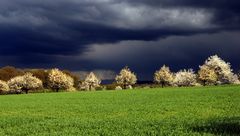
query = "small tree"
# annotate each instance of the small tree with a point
(207, 75)
(222, 69)
(163, 76)
(24, 83)
(185, 78)
(58, 80)
(91, 82)
(126, 77)
(3, 86)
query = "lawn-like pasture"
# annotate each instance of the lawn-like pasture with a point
(160, 111)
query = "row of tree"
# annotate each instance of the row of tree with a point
(213, 72)
(56, 80)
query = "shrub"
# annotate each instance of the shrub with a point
(118, 88)
(163, 76)
(126, 77)
(185, 78)
(58, 80)
(100, 88)
(129, 87)
(90, 82)
(24, 83)
(111, 86)
(3, 86)
(71, 89)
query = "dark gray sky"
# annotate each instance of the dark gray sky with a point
(109, 34)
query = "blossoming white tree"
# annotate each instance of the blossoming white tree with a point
(163, 76)
(24, 83)
(91, 82)
(185, 78)
(222, 69)
(207, 75)
(126, 78)
(58, 80)
(3, 86)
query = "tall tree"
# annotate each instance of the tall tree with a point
(222, 69)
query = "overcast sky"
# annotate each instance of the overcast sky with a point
(100, 35)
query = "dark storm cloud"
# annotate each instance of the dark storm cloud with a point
(55, 33)
(178, 52)
(226, 12)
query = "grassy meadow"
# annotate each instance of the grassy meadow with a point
(159, 111)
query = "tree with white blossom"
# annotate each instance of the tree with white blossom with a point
(24, 83)
(126, 78)
(163, 76)
(91, 82)
(59, 80)
(207, 75)
(185, 78)
(222, 69)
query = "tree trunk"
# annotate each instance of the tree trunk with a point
(26, 91)
(57, 89)
(125, 86)
(90, 87)
(204, 83)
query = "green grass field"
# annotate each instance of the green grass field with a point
(167, 111)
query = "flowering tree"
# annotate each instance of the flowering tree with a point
(3, 86)
(91, 82)
(58, 80)
(163, 76)
(126, 78)
(207, 75)
(24, 83)
(222, 69)
(185, 78)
